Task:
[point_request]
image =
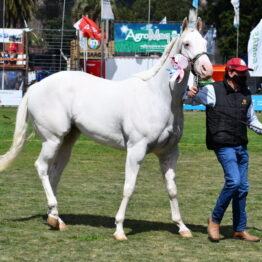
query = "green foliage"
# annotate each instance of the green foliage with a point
(50, 14)
(91, 8)
(220, 13)
(174, 10)
(16, 11)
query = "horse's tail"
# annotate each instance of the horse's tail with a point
(19, 135)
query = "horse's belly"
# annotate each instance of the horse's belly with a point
(102, 132)
(108, 140)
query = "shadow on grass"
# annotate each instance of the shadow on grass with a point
(136, 226)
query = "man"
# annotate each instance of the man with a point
(229, 111)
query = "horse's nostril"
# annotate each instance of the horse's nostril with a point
(204, 68)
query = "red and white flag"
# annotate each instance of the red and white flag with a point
(89, 28)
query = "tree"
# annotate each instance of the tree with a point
(49, 13)
(220, 13)
(174, 10)
(92, 8)
(17, 12)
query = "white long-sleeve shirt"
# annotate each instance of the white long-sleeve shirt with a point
(207, 96)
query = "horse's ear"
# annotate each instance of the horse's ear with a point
(185, 24)
(199, 24)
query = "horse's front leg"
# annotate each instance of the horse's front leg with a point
(168, 165)
(135, 156)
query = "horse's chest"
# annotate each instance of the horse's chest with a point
(169, 137)
(172, 132)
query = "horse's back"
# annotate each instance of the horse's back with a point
(95, 105)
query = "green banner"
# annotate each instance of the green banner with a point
(144, 38)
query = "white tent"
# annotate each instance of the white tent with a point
(255, 50)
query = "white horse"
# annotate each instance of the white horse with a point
(141, 114)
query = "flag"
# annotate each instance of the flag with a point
(106, 10)
(163, 21)
(195, 3)
(235, 4)
(255, 50)
(210, 36)
(89, 28)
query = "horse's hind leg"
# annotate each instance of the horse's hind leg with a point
(168, 165)
(49, 149)
(62, 157)
(55, 171)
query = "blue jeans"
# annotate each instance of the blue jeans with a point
(234, 161)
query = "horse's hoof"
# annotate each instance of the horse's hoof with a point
(186, 234)
(53, 222)
(62, 226)
(120, 236)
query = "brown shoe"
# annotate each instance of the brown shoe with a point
(213, 230)
(245, 236)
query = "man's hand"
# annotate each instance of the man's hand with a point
(192, 91)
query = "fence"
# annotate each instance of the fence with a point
(49, 50)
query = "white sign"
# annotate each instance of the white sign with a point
(255, 50)
(10, 97)
(106, 10)
(235, 4)
(11, 35)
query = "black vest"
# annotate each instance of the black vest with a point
(223, 122)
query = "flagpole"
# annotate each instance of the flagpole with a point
(102, 50)
(149, 11)
(102, 43)
(3, 70)
(107, 37)
(237, 40)
(62, 37)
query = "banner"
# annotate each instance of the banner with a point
(257, 102)
(256, 99)
(10, 97)
(210, 36)
(235, 4)
(11, 87)
(11, 35)
(255, 50)
(144, 38)
(106, 10)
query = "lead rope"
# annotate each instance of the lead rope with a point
(196, 79)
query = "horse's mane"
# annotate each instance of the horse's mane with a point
(146, 75)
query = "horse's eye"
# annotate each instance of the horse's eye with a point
(186, 45)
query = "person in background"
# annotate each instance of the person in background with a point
(229, 111)
(13, 52)
(4, 55)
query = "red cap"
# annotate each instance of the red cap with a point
(237, 64)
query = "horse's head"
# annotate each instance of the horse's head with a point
(193, 46)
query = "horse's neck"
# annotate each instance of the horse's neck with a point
(179, 89)
(160, 81)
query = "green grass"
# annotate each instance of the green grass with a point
(89, 195)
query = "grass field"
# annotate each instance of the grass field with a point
(89, 195)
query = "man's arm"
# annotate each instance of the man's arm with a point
(252, 120)
(205, 96)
